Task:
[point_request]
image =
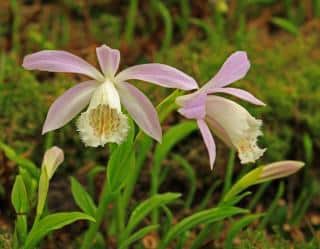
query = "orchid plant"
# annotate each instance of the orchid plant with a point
(21, 195)
(104, 122)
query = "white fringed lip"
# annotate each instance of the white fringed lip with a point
(103, 122)
(235, 126)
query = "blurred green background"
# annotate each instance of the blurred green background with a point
(282, 39)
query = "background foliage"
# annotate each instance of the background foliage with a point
(282, 40)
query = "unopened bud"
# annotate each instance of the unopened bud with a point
(279, 169)
(51, 160)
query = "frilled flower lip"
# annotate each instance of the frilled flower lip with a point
(74, 100)
(195, 105)
(234, 125)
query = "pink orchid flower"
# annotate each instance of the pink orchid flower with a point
(103, 120)
(229, 121)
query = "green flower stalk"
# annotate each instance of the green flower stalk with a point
(263, 174)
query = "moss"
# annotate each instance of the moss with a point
(5, 241)
(258, 239)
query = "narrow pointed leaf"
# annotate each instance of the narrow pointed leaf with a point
(138, 235)
(19, 196)
(50, 223)
(82, 198)
(171, 138)
(237, 226)
(145, 207)
(202, 217)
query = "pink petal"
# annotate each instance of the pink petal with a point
(68, 105)
(141, 110)
(158, 74)
(60, 61)
(234, 68)
(194, 107)
(242, 94)
(208, 140)
(109, 59)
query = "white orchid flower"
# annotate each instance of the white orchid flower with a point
(228, 120)
(103, 121)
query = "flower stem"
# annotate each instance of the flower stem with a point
(120, 215)
(105, 199)
(143, 144)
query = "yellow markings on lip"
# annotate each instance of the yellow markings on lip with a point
(104, 120)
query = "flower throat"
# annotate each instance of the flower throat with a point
(104, 120)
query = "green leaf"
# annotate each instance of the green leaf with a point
(191, 176)
(20, 161)
(144, 208)
(202, 217)
(19, 196)
(31, 184)
(91, 177)
(82, 198)
(208, 196)
(246, 181)
(202, 236)
(50, 223)
(286, 25)
(171, 138)
(308, 148)
(168, 105)
(121, 162)
(20, 202)
(42, 191)
(169, 218)
(237, 226)
(272, 208)
(20, 230)
(138, 235)
(236, 199)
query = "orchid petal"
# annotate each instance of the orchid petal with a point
(242, 94)
(60, 61)
(67, 106)
(109, 59)
(141, 109)
(158, 74)
(234, 68)
(208, 140)
(194, 107)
